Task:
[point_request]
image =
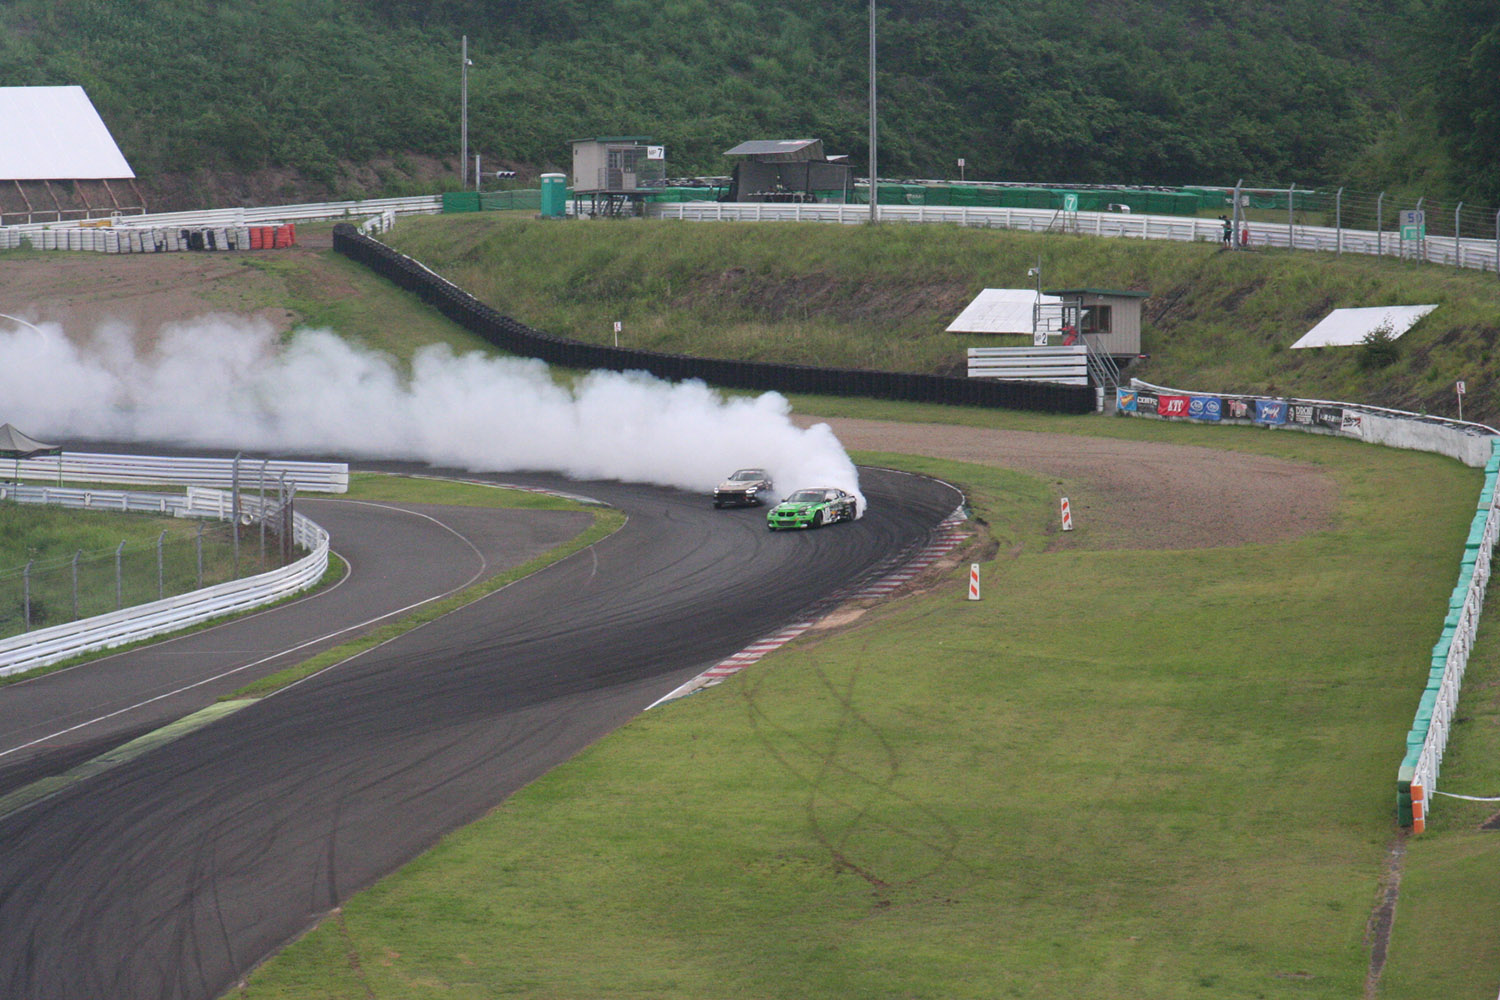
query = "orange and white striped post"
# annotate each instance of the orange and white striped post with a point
(1418, 808)
(1067, 515)
(973, 581)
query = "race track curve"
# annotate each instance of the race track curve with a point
(171, 875)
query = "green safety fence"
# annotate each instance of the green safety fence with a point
(1416, 779)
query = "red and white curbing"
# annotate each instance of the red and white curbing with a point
(947, 538)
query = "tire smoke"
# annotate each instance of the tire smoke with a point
(226, 382)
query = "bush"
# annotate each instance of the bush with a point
(1379, 348)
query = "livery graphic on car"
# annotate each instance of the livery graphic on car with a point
(812, 508)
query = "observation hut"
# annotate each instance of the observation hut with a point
(788, 170)
(613, 174)
(1110, 319)
(57, 160)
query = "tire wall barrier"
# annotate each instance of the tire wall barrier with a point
(1473, 444)
(517, 338)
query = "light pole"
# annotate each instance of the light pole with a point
(874, 186)
(463, 100)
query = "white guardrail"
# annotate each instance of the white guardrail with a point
(61, 642)
(1475, 445)
(148, 470)
(1472, 253)
(31, 235)
(205, 479)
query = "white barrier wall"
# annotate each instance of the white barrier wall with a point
(62, 642)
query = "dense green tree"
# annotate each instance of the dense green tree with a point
(1138, 91)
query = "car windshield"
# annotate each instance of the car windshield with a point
(747, 475)
(805, 496)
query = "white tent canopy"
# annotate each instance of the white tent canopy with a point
(54, 133)
(1346, 327)
(1001, 310)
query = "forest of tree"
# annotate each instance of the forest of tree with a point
(1123, 91)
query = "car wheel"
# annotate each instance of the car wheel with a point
(817, 519)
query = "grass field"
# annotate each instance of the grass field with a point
(1123, 774)
(881, 297)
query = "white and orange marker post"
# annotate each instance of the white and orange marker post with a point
(1418, 808)
(1067, 515)
(973, 581)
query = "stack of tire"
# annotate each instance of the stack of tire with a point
(273, 237)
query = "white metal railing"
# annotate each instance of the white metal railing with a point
(1470, 253)
(85, 467)
(1067, 364)
(61, 642)
(1417, 780)
(13, 237)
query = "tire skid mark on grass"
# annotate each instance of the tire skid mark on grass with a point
(835, 818)
(1383, 919)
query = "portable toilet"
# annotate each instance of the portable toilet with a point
(554, 196)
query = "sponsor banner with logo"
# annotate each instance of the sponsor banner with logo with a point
(1205, 407)
(1300, 414)
(1172, 406)
(1270, 411)
(1331, 417)
(1353, 424)
(1145, 402)
(1239, 409)
(1125, 399)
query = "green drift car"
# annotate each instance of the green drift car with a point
(811, 509)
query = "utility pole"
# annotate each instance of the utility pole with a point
(874, 186)
(463, 129)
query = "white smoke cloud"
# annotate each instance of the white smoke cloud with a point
(227, 382)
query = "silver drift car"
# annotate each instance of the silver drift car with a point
(747, 487)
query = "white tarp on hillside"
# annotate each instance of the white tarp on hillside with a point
(54, 133)
(1345, 327)
(1001, 310)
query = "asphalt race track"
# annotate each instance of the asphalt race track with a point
(172, 874)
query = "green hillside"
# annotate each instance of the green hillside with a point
(859, 297)
(280, 99)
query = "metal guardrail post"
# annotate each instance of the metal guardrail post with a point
(199, 541)
(1338, 222)
(75, 583)
(26, 593)
(120, 576)
(1379, 237)
(160, 574)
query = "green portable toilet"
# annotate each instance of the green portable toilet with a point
(554, 196)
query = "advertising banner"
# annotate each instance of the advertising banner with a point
(1172, 406)
(1205, 407)
(1239, 409)
(1145, 402)
(1125, 400)
(1270, 411)
(1329, 416)
(1300, 413)
(1353, 424)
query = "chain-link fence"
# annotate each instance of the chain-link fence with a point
(43, 593)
